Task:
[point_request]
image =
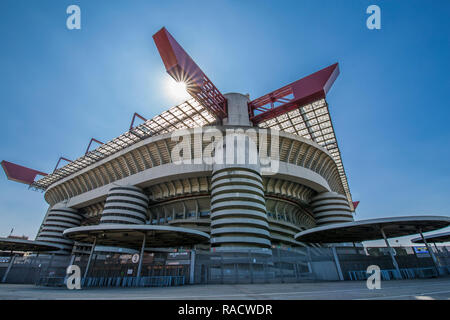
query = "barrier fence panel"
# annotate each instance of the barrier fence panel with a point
(247, 266)
(252, 267)
(30, 269)
(413, 262)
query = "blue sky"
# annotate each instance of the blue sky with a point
(60, 87)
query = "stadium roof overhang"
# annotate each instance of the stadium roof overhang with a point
(131, 236)
(366, 230)
(435, 238)
(189, 114)
(299, 108)
(22, 245)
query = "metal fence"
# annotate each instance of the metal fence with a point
(255, 267)
(30, 269)
(209, 267)
(413, 262)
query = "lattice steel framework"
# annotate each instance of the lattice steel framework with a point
(312, 121)
(180, 66)
(189, 114)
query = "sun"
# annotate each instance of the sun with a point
(177, 90)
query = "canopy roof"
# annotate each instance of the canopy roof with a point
(438, 237)
(311, 121)
(131, 236)
(366, 230)
(12, 244)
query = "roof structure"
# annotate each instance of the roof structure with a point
(366, 230)
(313, 122)
(11, 244)
(435, 238)
(19, 173)
(130, 236)
(189, 114)
(299, 108)
(182, 68)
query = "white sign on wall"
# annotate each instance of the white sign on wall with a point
(135, 258)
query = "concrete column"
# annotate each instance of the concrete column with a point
(192, 268)
(331, 207)
(238, 207)
(250, 265)
(129, 198)
(237, 110)
(58, 218)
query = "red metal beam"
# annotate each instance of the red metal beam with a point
(301, 92)
(180, 66)
(134, 117)
(59, 160)
(89, 145)
(19, 173)
(355, 205)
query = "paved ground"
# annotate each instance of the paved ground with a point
(426, 289)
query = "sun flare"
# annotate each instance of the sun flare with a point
(177, 90)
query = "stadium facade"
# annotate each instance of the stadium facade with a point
(238, 204)
(186, 173)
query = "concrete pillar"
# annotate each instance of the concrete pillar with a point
(192, 268)
(59, 218)
(331, 207)
(129, 200)
(237, 110)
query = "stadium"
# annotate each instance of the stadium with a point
(222, 174)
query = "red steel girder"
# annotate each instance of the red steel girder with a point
(59, 160)
(19, 173)
(180, 66)
(136, 115)
(90, 142)
(301, 92)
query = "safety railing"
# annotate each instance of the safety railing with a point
(392, 274)
(153, 281)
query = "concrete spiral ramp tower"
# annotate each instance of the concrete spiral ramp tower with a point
(59, 218)
(331, 207)
(125, 205)
(238, 209)
(238, 206)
